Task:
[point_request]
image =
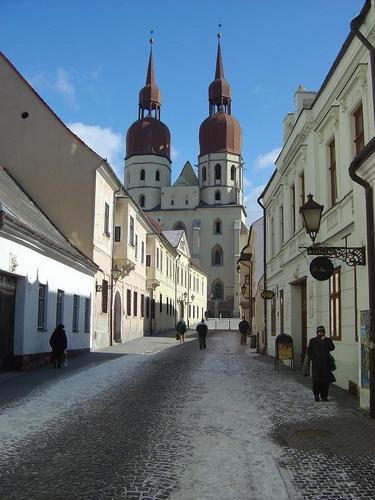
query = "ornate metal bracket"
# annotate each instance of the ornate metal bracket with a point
(352, 256)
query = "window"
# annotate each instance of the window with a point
(217, 196)
(75, 326)
(117, 234)
(335, 305)
(104, 296)
(106, 219)
(161, 260)
(204, 174)
(293, 207)
(167, 305)
(148, 260)
(233, 173)
(135, 304)
(153, 309)
(161, 303)
(128, 302)
(217, 226)
(142, 200)
(131, 230)
(157, 258)
(272, 223)
(217, 172)
(87, 315)
(273, 317)
(302, 186)
(281, 306)
(142, 305)
(172, 201)
(59, 306)
(186, 201)
(179, 226)
(358, 129)
(136, 246)
(217, 256)
(42, 309)
(147, 307)
(332, 171)
(143, 252)
(157, 175)
(217, 290)
(143, 175)
(281, 225)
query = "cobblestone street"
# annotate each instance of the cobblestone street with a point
(154, 420)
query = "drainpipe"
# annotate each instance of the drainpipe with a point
(175, 289)
(264, 267)
(369, 197)
(111, 284)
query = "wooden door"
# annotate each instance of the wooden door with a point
(7, 300)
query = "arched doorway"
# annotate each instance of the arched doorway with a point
(117, 319)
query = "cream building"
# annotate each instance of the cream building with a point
(321, 137)
(207, 205)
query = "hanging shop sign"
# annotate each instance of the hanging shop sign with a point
(267, 294)
(321, 268)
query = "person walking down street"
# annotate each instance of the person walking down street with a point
(59, 343)
(244, 330)
(202, 330)
(318, 352)
(181, 329)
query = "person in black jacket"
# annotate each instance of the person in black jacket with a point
(202, 330)
(243, 327)
(59, 343)
(318, 352)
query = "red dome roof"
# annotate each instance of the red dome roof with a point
(220, 133)
(149, 94)
(218, 90)
(148, 136)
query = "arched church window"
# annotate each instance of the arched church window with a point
(218, 172)
(217, 290)
(233, 173)
(204, 174)
(179, 226)
(143, 175)
(217, 196)
(157, 175)
(142, 200)
(217, 226)
(217, 256)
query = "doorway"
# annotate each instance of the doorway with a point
(299, 318)
(303, 320)
(117, 319)
(7, 302)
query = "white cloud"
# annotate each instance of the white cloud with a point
(254, 211)
(247, 182)
(268, 159)
(103, 141)
(175, 153)
(63, 85)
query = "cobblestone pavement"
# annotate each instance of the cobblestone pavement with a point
(179, 423)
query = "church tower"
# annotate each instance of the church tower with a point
(148, 147)
(220, 140)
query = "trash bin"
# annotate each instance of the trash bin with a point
(253, 342)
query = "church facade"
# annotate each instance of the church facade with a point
(207, 204)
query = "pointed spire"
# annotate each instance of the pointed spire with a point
(219, 73)
(150, 78)
(149, 96)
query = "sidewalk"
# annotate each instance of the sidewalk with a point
(16, 387)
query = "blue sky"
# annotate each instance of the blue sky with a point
(88, 60)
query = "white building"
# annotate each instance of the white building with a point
(44, 281)
(321, 137)
(207, 205)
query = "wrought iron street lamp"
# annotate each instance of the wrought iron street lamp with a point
(311, 213)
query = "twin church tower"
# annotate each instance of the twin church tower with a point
(208, 206)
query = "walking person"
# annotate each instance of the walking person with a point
(318, 352)
(202, 330)
(243, 328)
(59, 343)
(181, 329)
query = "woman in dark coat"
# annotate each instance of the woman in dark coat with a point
(318, 352)
(59, 343)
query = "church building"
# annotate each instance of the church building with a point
(207, 204)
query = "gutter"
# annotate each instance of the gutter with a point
(366, 152)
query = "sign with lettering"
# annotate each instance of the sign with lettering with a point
(267, 294)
